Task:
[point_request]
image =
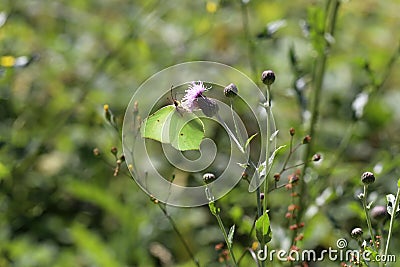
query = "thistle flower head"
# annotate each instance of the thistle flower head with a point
(195, 90)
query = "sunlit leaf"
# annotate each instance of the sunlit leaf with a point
(273, 155)
(230, 235)
(263, 229)
(273, 135)
(249, 140)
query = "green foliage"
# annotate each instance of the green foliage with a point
(61, 61)
(263, 229)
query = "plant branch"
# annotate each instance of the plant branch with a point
(180, 236)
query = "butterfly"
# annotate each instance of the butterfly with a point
(173, 125)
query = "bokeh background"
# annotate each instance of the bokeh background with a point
(61, 61)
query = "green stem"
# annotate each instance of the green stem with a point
(180, 236)
(268, 109)
(318, 78)
(222, 227)
(250, 43)
(364, 202)
(396, 204)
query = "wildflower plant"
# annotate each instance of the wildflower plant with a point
(374, 246)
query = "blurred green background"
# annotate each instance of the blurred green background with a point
(61, 61)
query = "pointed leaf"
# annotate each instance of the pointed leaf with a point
(273, 135)
(249, 140)
(243, 165)
(261, 170)
(263, 229)
(230, 235)
(272, 157)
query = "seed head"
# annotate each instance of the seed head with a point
(367, 178)
(307, 139)
(114, 150)
(316, 157)
(356, 233)
(208, 178)
(268, 77)
(230, 90)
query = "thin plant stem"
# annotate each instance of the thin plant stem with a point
(239, 137)
(180, 236)
(396, 204)
(318, 78)
(267, 146)
(250, 43)
(364, 203)
(381, 241)
(222, 227)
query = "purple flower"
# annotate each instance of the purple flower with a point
(194, 91)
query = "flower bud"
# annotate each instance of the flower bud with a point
(114, 150)
(268, 77)
(208, 178)
(367, 178)
(262, 196)
(292, 131)
(208, 106)
(96, 152)
(107, 113)
(307, 139)
(356, 233)
(316, 157)
(230, 90)
(277, 177)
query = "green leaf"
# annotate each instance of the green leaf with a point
(274, 135)
(249, 140)
(273, 155)
(214, 210)
(398, 183)
(171, 125)
(93, 247)
(263, 229)
(230, 235)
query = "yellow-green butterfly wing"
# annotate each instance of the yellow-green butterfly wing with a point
(183, 130)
